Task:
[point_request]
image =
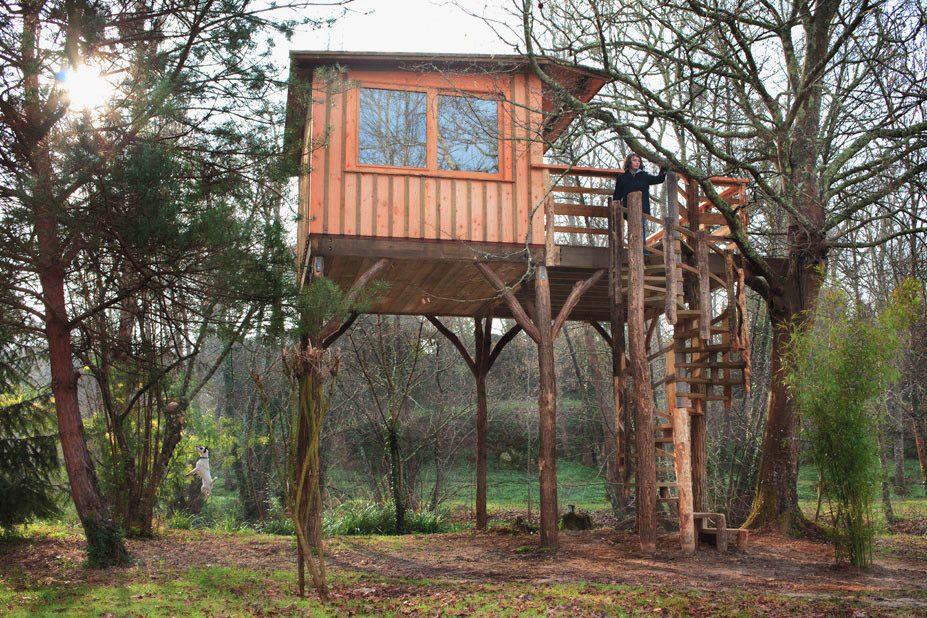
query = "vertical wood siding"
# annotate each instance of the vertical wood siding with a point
(338, 199)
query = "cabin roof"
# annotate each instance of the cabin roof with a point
(581, 82)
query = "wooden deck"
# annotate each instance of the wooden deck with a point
(441, 279)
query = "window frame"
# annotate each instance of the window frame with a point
(433, 86)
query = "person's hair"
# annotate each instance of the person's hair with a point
(627, 161)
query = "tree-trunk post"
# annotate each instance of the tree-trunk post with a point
(547, 409)
(640, 375)
(481, 358)
(617, 317)
(682, 465)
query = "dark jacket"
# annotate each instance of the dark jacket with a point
(641, 181)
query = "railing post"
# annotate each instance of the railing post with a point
(551, 252)
(669, 246)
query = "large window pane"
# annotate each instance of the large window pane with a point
(392, 128)
(468, 134)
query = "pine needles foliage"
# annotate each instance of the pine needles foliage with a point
(837, 366)
(28, 447)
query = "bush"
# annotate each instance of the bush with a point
(358, 517)
(281, 526)
(182, 520)
(836, 369)
(213, 517)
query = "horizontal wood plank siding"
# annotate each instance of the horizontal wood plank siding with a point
(337, 199)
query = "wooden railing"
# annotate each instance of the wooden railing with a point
(577, 213)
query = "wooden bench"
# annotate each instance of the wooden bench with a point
(720, 530)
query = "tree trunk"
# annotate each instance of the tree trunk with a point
(901, 485)
(395, 476)
(776, 502)
(104, 543)
(921, 445)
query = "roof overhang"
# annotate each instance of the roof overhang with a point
(581, 82)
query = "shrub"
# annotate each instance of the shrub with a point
(358, 517)
(182, 520)
(281, 526)
(836, 368)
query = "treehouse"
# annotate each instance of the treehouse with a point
(428, 173)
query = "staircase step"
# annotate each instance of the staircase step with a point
(710, 381)
(710, 365)
(702, 396)
(718, 347)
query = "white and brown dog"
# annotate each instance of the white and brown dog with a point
(201, 469)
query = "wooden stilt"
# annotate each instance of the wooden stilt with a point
(640, 375)
(682, 464)
(479, 364)
(547, 410)
(617, 344)
(543, 329)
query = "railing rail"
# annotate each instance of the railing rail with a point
(578, 214)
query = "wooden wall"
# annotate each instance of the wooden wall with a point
(340, 197)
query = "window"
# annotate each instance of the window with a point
(440, 132)
(468, 134)
(393, 128)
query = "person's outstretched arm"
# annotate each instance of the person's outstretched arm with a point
(658, 179)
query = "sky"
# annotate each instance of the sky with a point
(409, 26)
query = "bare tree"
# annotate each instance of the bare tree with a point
(820, 104)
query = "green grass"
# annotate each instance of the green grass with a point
(509, 487)
(911, 506)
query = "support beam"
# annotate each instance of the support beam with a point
(704, 286)
(640, 374)
(670, 238)
(601, 330)
(479, 364)
(359, 284)
(518, 312)
(547, 410)
(579, 288)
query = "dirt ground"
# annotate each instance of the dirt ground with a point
(770, 563)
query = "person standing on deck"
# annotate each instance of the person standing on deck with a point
(634, 179)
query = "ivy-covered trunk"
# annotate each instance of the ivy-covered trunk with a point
(395, 474)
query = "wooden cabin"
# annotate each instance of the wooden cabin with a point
(424, 159)
(428, 172)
